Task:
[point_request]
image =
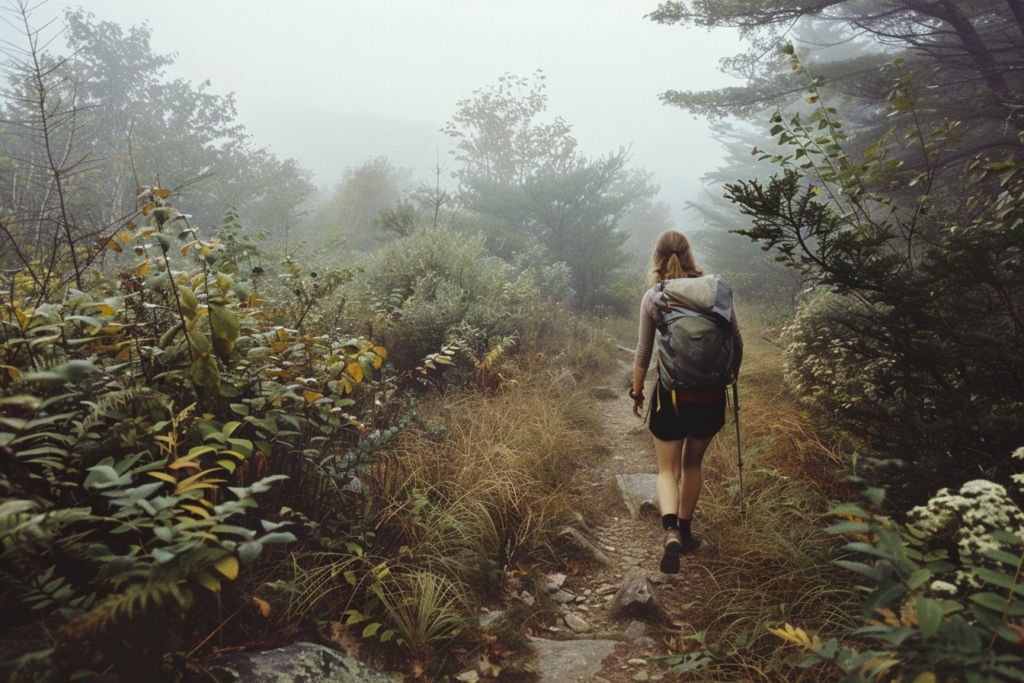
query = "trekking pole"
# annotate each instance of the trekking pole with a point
(739, 450)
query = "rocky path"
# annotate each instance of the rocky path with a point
(592, 641)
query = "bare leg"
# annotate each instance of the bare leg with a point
(670, 458)
(692, 456)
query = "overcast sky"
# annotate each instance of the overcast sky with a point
(335, 82)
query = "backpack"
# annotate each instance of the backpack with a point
(695, 349)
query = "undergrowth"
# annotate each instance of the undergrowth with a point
(465, 512)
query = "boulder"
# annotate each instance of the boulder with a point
(637, 596)
(580, 539)
(576, 623)
(296, 663)
(639, 493)
(569, 661)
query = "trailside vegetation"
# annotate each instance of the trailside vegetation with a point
(208, 442)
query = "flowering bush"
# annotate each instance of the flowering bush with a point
(934, 616)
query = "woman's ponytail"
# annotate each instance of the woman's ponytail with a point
(672, 258)
(674, 268)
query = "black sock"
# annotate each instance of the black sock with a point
(684, 527)
(670, 522)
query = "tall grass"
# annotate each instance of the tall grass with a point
(772, 564)
(469, 501)
(494, 481)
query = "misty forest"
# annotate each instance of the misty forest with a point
(383, 417)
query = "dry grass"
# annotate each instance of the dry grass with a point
(770, 565)
(494, 480)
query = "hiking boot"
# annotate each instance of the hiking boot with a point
(688, 545)
(673, 545)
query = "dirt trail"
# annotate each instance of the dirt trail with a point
(629, 543)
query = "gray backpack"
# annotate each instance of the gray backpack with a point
(695, 351)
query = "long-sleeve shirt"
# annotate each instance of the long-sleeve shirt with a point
(648, 322)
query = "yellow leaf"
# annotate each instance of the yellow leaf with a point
(12, 371)
(812, 99)
(228, 566)
(311, 396)
(147, 208)
(208, 484)
(162, 194)
(263, 605)
(199, 315)
(794, 64)
(194, 477)
(109, 243)
(143, 267)
(444, 360)
(356, 372)
(196, 510)
(163, 476)
(184, 249)
(105, 309)
(380, 351)
(208, 582)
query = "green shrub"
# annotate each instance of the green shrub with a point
(923, 358)
(944, 596)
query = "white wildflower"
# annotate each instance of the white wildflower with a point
(944, 587)
(972, 514)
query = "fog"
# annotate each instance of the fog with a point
(333, 84)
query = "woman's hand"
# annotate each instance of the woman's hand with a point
(638, 402)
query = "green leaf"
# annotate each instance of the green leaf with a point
(226, 329)
(850, 509)
(918, 578)
(992, 601)
(371, 629)
(1007, 537)
(875, 495)
(205, 374)
(929, 615)
(861, 568)
(848, 528)
(278, 537)
(1001, 556)
(249, 551)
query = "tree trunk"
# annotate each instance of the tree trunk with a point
(1017, 7)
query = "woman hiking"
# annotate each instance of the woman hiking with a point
(683, 422)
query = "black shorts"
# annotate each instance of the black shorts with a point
(700, 420)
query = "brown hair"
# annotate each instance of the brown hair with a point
(672, 258)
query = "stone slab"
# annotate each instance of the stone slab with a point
(570, 661)
(299, 662)
(639, 493)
